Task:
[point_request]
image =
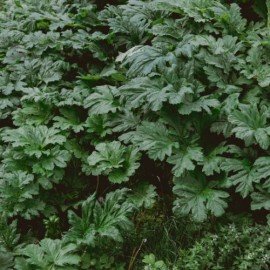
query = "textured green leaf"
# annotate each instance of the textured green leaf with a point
(184, 160)
(260, 200)
(156, 139)
(49, 254)
(102, 100)
(115, 160)
(251, 125)
(106, 219)
(198, 198)
(143, 195)
(212, 161)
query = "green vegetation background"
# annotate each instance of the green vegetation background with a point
(134, 134)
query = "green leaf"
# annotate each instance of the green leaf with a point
(262, 170)
(69, 120)
(18, 193)
(251, 125)
(147, 59)
(184, 159)
(202, 104)
(102, 101)
(115, 160)
(49, 254)
(156, 139)
(6, 261)
(212, 161)
(106, 218)
(244, 177)
(9, 236)
(144, 92)
(98, 124)
(33, 140)
(144, 195)
(260, 200)
(197, 197)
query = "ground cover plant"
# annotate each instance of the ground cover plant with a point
(134, 134)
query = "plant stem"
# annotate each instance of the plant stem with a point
(136, 254)
(268, 13)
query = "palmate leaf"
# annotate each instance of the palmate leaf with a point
(124, 22)
(202, 104)
(37, 73)
(102, 101)
(263, 75)
(197, 197)
(54, 12)
(222, 126)
(6, 104)
(47, 95)
(18, 193)
(144, 92)
(41, 41)
(39, 150)
(220, 58)
(125, 121)
(69, 120)
(256, 67)
(76, 97)
(101, 219)
(187, 61)
(250, 125)
(32, 114)
(156, 139)
(19, 183)
(198, 10)
(49, 254)
(33, 140)
(143, 195)
(241, 169)
(184, 159)
(212, 161)
(151, 262)
(261, 165)
(178, 95)
(146, 59)
(152, 93)
(115, 160)
(243, 174)
(57, 158)
(260, 199)
(229, 18)
(99, 124)
(222, 51)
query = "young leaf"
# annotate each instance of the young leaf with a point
(105, 219)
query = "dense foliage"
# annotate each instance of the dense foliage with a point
(108, 111)
(239, 245)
